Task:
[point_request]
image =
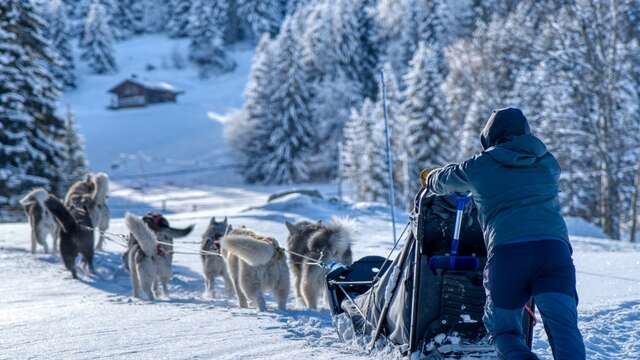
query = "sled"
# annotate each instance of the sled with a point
(434, 311)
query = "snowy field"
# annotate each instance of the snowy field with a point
(46, 315)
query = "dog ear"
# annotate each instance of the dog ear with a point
(291, 227)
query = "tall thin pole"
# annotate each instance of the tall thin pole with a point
(392, 194)
(340, 165)
(634, 206)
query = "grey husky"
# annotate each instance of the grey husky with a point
(41, 220)
(257, 264)
(164, 236)
(148, 263)
(98, 185)
(325, 242)
(214, 265)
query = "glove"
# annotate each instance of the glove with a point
(424, 176)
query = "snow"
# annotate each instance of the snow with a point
(162, 136)
(46, 314)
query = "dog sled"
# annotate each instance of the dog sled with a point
(429, 301)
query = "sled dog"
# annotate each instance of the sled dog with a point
(256, 264)
(164, 235)
(98, 185)
(76, 230)
(41, 220)
(164, 232)
(148, 263)
(325, 242)
(212, 265)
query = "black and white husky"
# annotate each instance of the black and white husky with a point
(41, 220)
(149, 265)
(76, 230)
(213, 265)
(326, 242)
(98, 186)
(256, 264)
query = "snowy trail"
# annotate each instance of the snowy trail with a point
(45, 314)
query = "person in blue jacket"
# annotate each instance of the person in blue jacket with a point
(514, 183)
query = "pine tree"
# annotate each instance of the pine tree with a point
(59, 34)
(288, 150)
(425, 113)
(29, 151)
(250, 136)
(178, 25)
(74, 165)
(355, 53)
(330, 108)
(123, 20)
(97, 41)
(356, 149)
(263, 16)
(207, 30)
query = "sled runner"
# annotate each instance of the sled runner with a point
(430, 300)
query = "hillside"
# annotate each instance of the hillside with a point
(187, 134)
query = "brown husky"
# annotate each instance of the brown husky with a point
(325, 242)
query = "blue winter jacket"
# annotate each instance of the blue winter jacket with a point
(514, 183)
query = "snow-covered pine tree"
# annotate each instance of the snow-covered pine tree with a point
(355, 52)
(180, 12)
(425, 116)
(356, 149)
(58, 32)
(206, 48)
(74, 165)
(330, 110)
(29, 151)
(262, 15)
(249, 136)
(603, 92)
(123, 20)
(424, 24)
(286, 157)
(97, 41)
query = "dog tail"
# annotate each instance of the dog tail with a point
(61, 213)
(37, 195)
(178, 233)
(141, 232)
(254, 251)
(101, 181)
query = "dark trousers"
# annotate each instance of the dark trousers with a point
(542, 269)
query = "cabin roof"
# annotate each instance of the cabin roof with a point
(157, 86)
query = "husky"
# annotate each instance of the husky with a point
(326, 242)
(76, 230)
(214, 265)
(98, 185)
(256, 264)
(164, 235)
(148, 263)
(41, 220)
(164, 232)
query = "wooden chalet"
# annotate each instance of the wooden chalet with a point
(137, 93)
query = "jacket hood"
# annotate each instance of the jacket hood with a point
(519, 151)
(503, 125)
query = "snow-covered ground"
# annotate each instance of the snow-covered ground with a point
(44, 314)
